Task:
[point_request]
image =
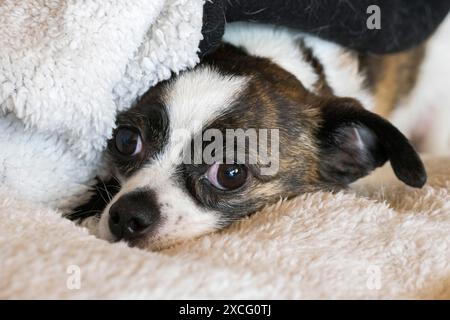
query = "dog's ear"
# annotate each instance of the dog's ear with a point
(354, 141)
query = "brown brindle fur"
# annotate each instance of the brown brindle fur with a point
(298, 119)
(275, 98)
(391, 77)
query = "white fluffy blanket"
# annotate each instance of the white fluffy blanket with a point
(380, 240)
(66, 68)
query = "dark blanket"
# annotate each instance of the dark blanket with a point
(404, 23)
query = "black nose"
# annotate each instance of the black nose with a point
(134, 214)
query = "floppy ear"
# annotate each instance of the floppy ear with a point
(354, 141)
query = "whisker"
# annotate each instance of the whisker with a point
(107, 192)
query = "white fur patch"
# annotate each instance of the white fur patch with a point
(195, 99)
(281, 46)
(277, 44)
(341, 70)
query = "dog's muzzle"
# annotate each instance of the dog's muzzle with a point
(134, 214)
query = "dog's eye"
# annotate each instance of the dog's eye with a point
(128, 141)
(227, 176)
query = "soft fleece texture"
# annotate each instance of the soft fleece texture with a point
(66, 68)
(381, 239)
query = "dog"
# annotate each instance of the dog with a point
(325, 104)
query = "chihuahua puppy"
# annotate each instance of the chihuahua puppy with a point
(317, 100)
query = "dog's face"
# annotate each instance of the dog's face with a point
(176, 184)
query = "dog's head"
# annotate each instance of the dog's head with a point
(184, 170)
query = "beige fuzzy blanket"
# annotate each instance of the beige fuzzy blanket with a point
(379, 240)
